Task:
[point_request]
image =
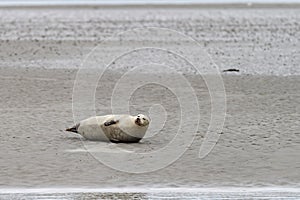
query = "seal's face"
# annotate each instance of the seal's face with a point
(141, 120)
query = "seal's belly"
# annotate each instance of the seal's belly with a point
(112, 133)
(115, 134)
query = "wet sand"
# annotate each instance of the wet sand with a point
(260, 142)
(256, 41)
(259, 145)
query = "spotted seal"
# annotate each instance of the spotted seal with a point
(114, 128)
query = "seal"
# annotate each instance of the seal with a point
(113, 128)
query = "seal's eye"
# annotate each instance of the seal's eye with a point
(144, 119)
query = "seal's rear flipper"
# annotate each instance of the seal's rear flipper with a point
(73, 129)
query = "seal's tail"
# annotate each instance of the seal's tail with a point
(73, 129)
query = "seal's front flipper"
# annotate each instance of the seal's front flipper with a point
(111, 122)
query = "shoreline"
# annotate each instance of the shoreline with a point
(12, 69)
(180, 193)
(156, 6)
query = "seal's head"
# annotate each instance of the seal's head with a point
(141, 120)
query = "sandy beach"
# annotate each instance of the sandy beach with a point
(42, 50)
